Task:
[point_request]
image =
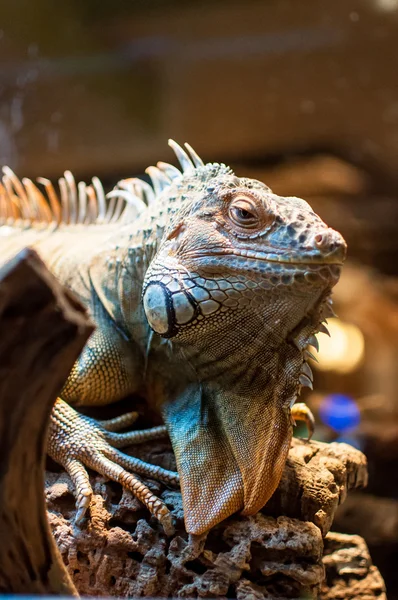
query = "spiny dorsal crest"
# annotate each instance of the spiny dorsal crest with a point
(24, 203)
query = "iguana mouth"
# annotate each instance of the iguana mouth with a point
(273, 257)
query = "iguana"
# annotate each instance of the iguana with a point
(206, 290)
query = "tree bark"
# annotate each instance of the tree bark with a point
(43, 329)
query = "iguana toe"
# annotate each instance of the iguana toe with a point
(120, 422)
(83, 489)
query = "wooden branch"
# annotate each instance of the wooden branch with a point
(43, 329)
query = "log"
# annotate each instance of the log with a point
(123, 551)
(43, 329)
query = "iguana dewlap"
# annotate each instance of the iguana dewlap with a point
(206, 290)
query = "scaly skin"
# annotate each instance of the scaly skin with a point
(205, 305)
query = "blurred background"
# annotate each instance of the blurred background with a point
(301, 95)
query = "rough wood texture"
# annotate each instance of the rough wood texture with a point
(123, 551)
(350, 574)
(42, 332)
(316, 480)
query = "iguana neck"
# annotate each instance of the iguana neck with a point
(254, 358)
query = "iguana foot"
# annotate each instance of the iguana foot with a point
(77, 441)
(301, 412)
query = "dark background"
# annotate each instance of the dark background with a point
(302, 95)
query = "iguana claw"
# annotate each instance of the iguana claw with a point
(301, 412)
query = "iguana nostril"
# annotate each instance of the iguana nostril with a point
(330, 242)
(321, 239)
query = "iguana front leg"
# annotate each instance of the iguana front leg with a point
(77, 441)
(108, 369)
(104, 373)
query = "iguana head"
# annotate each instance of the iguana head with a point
(240, 283)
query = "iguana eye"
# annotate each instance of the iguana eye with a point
(243, 213)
